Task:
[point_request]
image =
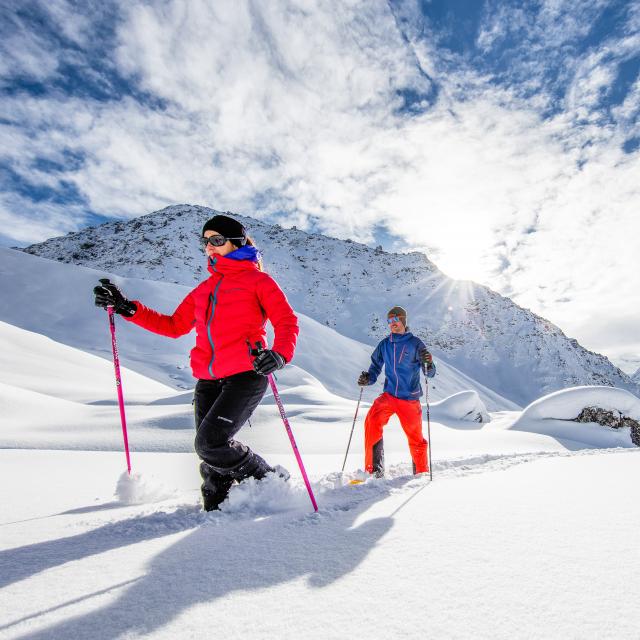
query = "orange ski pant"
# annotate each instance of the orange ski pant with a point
(410, 414)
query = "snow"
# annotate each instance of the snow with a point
(63, 371)
(31, 284)
(554, 415)
(529, 528)
(568, 403)
(540, 548)
(465, 405)
(348, 287)
(135, 488)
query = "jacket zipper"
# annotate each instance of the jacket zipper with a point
(213, 301)
(395, 371)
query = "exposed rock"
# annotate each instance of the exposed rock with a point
(613, 419)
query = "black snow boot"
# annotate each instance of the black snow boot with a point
(215, 487)
(253, 466)
(378, 459)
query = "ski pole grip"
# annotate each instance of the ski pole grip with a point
(258, 349)
(104, 282)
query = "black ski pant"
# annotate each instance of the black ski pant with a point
(221, 407)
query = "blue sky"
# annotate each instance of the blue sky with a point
(502, 138)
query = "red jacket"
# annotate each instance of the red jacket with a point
(229, 311)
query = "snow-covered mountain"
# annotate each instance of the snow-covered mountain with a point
(636, 377)
(349, 287)
(533, 471)
(55, 300)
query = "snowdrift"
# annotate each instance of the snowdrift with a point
(36, 363)
(465, 405)
(555, 415)
(567, 404)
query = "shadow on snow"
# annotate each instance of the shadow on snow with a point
(207, 564)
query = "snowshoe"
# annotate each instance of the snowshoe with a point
(360, 477)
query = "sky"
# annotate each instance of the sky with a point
(501, 138)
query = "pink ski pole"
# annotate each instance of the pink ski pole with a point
(287, 426)
(116, 364)
(259, 349)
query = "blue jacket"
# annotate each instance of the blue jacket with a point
(399, 355)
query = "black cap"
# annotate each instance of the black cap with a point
(227, 227)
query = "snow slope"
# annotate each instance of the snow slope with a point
(513, 517)
(349, 287)
(536, 548)
(56, 397)
(39, 364)
(55, 299)
(526, 531)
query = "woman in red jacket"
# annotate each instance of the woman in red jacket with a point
(229, 311)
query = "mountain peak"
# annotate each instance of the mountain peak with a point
(349, 287)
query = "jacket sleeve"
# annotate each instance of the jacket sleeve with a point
(429, 371)
(180, 322)
(377, 361)
(281, 315)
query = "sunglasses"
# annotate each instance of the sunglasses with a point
(217, 241)
(393, 319)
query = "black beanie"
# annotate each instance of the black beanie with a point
(227, 227)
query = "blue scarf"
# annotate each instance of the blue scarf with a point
(245, 253)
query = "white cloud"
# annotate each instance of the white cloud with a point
(297, 100)
(69, 22)
(25, 54)
(23, 221)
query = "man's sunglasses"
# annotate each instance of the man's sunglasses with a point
(217, 241)
(392, 319)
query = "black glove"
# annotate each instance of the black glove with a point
(364, 379)
(108, 295)
(425, 357)
(267, 362)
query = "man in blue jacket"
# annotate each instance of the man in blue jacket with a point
(403, 356)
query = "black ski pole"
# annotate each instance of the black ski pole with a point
(426, 382)
(352, 427)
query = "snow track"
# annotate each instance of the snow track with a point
(267, 566)
(274, 498)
